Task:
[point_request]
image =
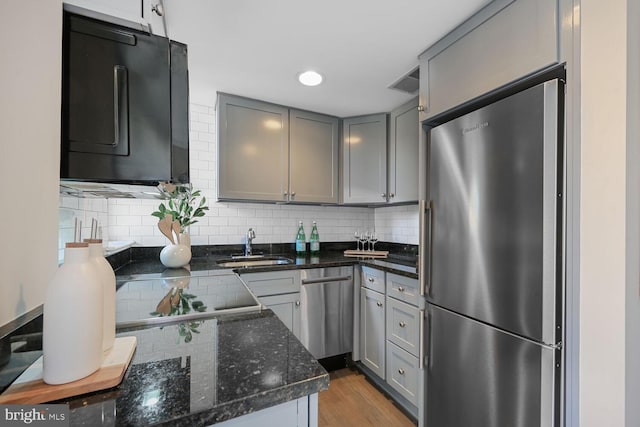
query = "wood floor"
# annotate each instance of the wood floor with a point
(352, 401)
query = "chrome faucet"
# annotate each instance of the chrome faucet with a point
(250, 236)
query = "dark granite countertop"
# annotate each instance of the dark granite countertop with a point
(233, 365)
(145, 261)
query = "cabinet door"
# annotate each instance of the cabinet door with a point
(372, 330)
(287, 308)
(364, 154)
(505, 41)
(253, 150)
(403, 153)
(313, 163)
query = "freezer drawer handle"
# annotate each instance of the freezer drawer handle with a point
(402, 324)
(401, 371)
(379, 304)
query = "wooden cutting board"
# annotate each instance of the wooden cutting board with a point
(369, 254)
(29, 388)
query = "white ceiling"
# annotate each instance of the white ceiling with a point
(256, 48)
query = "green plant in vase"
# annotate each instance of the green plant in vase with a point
(183, 204)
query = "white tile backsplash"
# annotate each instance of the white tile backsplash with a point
(397, 224)
(227, 223)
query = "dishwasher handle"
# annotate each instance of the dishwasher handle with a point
(326, 280)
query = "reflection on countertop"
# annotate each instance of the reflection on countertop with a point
(160, 298)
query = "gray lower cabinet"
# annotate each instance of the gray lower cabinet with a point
(280, 292)
(390, 331)
(302, 412)
(403, 372)
(505, 41)
(372, 330)
(313, 171)
(364, 159)
(287, 308)
(403, 325)
(268, 152)
(403, 153)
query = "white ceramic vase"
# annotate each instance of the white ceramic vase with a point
(174, 256)
(108, 279)
(73, 319)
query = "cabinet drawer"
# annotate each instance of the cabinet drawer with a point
(272, 283)
(402, 372)
(403, 325)
(373, 279)
(403, 288)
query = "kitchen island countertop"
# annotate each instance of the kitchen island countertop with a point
(201, 373)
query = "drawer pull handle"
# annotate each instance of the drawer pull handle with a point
(379, 304)
(402, 324)
(297, 303)
(401, 371)
(371, 279)
(400, 289)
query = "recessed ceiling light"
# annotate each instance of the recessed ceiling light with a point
(310, 78)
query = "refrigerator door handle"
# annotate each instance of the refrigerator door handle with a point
(425, 231)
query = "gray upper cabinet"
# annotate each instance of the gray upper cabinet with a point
(364, 156)
(271, 153)
(503, 42)
(403, 153)
(313, 172)
(253, 150)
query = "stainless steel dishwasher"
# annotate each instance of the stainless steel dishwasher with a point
(326, 303)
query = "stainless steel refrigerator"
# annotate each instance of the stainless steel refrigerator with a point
(491, 267)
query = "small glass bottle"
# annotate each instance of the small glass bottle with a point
(301, 240)
(314, 240)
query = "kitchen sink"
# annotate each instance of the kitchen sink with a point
(253, 261)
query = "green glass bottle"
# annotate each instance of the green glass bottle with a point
(314, 240)
(301, 240)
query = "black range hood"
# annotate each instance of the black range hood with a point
(124, 105)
